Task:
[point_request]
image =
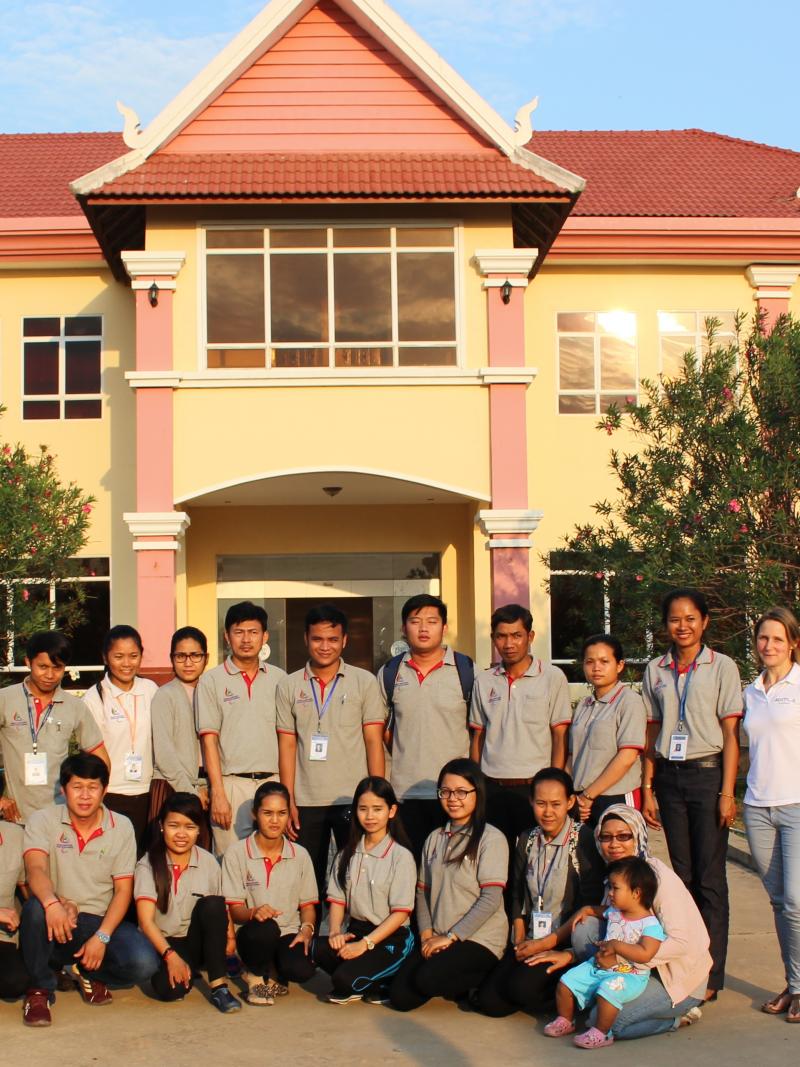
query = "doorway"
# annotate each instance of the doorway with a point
(359, 651)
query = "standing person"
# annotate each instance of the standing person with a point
(177, 757)
(463, 927)
(235, 711)
(372, 882)
(271, 892)
(14, 978)
(330, 736)
(556, 871)
(79, 862)
(772, 800)
(120, 704)
(519, 718)
(693, 698)
(608, 733)
(427, 691)
(180, 907)
(37, 720)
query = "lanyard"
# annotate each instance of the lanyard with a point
(321, 711)
(131, 727)
(682, 697)
(541, 883)
(45, 716)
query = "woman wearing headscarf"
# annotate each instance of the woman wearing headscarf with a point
(681, 965)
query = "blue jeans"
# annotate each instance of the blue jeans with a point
(774, 836)
(651, 1013)
(129, 959)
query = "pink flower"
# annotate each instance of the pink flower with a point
(743, 529)
(87, 509)
(65, 520)
(734, 506)
(639, 577)
(609, 428)
(26, 595)
(599, 574)
(630, 399)
(727, 393)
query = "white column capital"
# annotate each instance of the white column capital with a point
(508, 522)
(171, 525)
(506, 261)
(779, 277)
(143, 266)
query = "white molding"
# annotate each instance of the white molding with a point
(153, 379)
(156, 546)
(143, 264)
(498, 283)
(147, 282)
(505, 260)
(156, 523)
(290, 378)
(779, 274)
(509, 542)
(772, 294)
(508, 520)
(508, 375)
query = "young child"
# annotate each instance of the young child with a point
(620, 971)
(373, 880)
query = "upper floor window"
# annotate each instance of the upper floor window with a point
(61, 367)
(331, 296)
(596, 361)
(682, 331)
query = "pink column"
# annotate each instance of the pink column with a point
(773, 289)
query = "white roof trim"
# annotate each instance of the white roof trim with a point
(386, 27)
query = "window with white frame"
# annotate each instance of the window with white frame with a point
(597, 360)
(61, 372)
(682, 331)
(349, 296)
(92, 575)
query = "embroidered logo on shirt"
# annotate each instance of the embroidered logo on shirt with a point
(493, 697)
(64, 844)
(400, 681)
(228, 696)
(659, 684)
(303, 697)
(250, 880)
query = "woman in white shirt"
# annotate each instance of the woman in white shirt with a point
(772, 801)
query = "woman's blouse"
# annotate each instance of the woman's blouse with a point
(124, 720)
(378, 882)
(772, 722)
(200, 878)
(287, 885)
(601, 727)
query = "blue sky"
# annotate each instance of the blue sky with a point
(595, 64)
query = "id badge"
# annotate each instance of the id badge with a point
(541, 924)
(319, 747)
(678, 745)
(134, 767)
(36, 768)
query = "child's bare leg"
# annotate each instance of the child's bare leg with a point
(606, 1015)
(565, 1002)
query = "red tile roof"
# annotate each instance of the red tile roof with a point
(345, 175)
(675, 173)
(36, 169)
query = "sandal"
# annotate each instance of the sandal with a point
(593, 1038)
(559, 1027)
(779, 1005)
(793, 1014)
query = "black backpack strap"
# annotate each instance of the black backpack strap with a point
(390, 669)
(466, 675)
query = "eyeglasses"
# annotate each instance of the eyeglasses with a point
(606, 839)
(188, 657)
(459, 794)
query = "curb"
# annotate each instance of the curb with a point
(739, 850)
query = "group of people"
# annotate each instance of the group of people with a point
(152, 833)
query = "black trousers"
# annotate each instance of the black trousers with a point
(512, 986)
(420, 818)
(450, 973)
(316, 827)
(137, 809)
(688, 798)
(14, 979)
(375, 968)
(203, 947)
(508, 807)
(265, 952)
(599, 804)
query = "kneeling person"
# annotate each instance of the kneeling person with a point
(13, 976)
(79, 861)
(179, 902)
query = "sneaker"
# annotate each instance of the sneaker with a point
(224, 1001)
(377, 996)
(277, 989)
(36, 1008)
(334, 998)
(693, 1015)
(259, 994)
(94, 993)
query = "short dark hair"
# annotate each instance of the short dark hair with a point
(613, 643)
(245, 611)
(268, 789)
(554, 774)
(423, 600)
(325, 613)
(122, 632)
(188, 633)
(512, 613)
(685, 593)
(53, 643)
(639, 875)
(83, 765)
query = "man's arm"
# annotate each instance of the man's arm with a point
(558, 745)
(221, 812)
(93, 951)
(373, 743)
(60, 921)
(287, 767)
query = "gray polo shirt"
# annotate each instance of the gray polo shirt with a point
(176, 748)
(12, 869)
(430, 725)
(378, 882)
(518, 716)
(450, 889)
(67, 714)
(200, 878)
(715, 693)
(601, 726)
(354, 703)
(248, 878)
(242, 716)
(83, 871)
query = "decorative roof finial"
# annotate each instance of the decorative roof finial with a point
(523, 130)
(132, 131)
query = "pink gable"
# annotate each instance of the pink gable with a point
(326, 86)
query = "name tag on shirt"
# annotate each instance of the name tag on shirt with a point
(319, 747)
(541, 924)
(36, 768)
(678, 744)
(134, 767)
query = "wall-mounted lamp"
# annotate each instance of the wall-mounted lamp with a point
(505, 291)
(152, 295)
(332, 490)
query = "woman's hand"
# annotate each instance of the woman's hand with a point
(523, 950)
(9, 810)
(202, 796)
(557, 960)
(265, 912)
(352, 952)
(727, 810)
(338, 941)
(303, 937)
(606, 956)
(437, 943)
(9, 918)
(178, 970)
(581, 915)
(584, 806)
(650, 809)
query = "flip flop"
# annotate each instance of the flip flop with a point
(793, 1014)
(779, 1004)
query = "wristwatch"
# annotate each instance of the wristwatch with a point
(369, 943)
(102, 936)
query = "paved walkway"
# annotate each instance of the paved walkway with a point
(301, 1031)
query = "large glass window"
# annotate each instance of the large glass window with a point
(331, 296)
(596, 360)
(682, 331)
(62, 367)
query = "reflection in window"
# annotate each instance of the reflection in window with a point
(680, 332)
(596, 361)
